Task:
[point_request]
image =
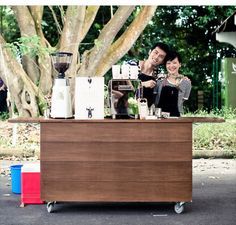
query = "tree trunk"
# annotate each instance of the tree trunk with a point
(78, 21)
(27, 29)
(44, 60)
(23, 92)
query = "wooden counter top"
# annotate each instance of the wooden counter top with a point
(169, 120)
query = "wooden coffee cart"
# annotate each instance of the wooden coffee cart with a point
(116, 160)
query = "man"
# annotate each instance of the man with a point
(149, 70)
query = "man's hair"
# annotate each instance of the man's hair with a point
(172, 55)
(162, 46)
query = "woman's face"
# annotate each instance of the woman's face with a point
(172, 66)
(156, 56)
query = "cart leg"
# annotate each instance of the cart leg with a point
(179, 207)
(50, 206)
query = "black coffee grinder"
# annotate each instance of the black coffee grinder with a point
(61, 106)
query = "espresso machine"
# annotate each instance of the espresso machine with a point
(61, 106)
(124, 91)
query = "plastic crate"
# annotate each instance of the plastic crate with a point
(30, 184)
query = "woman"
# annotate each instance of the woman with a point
(173, 90)
(148, 70)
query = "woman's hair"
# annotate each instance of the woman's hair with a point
(172, 55)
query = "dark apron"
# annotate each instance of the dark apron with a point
(169, 100)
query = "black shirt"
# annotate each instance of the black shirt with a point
(147, 92)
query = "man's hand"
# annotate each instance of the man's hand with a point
(149, 84)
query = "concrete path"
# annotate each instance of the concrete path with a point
(214, 203)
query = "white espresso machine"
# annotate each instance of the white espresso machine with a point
(61, 106)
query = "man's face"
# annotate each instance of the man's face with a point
(156, 56)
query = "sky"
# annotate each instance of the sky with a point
(117, 2)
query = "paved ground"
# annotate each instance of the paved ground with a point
(214, 203)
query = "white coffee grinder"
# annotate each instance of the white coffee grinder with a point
(61, 96)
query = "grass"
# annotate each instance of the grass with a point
(226, 113)
(215, 136)
(206, 136)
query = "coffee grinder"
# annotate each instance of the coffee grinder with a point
(61, 96)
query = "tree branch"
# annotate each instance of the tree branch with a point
(74, 20)
(55, 19)
(44, 61)
(90, 15)
(27, 29)
(122, 45)
(106, 37)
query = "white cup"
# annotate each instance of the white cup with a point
(134, 72)
(116, 72)
(125, 71)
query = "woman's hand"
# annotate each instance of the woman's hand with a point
(149, 84)
(186, 78)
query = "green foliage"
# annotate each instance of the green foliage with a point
(97, 43)
(188, 29)
(29, 46)
(43, 104)
(133, 106)
(9, 28)
(49, 26)
(4, 116)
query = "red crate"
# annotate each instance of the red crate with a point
(30, 184)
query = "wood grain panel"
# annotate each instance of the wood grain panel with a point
(116, 132)
(117, 171)
(116, 191)
(115, 151)
(116, 161)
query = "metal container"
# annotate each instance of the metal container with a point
(158, 112)
(123, 95)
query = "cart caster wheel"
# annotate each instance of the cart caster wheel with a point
(50, 206)
(179, 207)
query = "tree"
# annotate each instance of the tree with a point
(189, 29)
(30, 79)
